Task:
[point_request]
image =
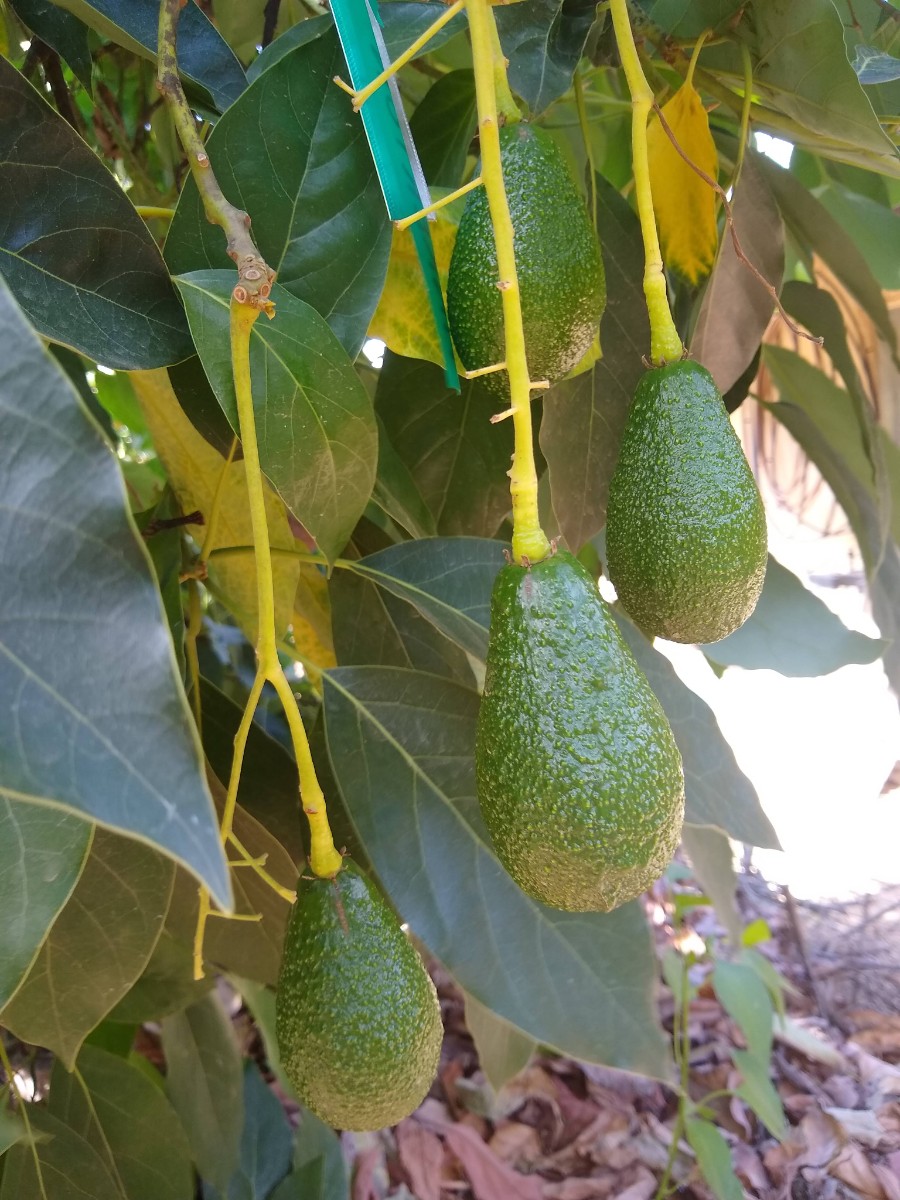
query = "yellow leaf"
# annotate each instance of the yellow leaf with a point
(194, 468)
(311, 622)
(685, 204)
(403, 317)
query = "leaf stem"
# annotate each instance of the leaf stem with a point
(665, 344)
(744, 133)
(151, 212)
(529, 542)
(506, 105)
(23, 1106)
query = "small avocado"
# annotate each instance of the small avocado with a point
(356, 1015)
(561, 282)
(686, 529)
(579, 778)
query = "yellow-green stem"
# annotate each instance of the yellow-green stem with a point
(529, 541)
(506, 105)
(744, 133)
(665, 344)
(150, 212)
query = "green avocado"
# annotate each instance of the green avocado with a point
(579, 778)
(356, 1015)
(686, 528)
(561, 282)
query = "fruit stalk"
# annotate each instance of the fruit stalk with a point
(665, 344)
(529, 542)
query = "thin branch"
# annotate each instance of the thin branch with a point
(735, 240)
(255, 276)
(270, 20)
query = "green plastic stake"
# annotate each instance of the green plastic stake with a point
(390, 140)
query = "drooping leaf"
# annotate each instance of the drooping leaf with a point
(874, 228)
(266, 1144)
(802, 67)
(818, 232)
(717, 792)
(127, 1118)
(685, 204)
(443, 126)
(42, 852)
(59, 1166)
(12, 1130)
(448, 580)
(204, 1081)
(204, 58)
(402, 23)
(583, 418)
(294, 156)
(401, 746)
(503, 1050)
(689, 18)
(793, 632)
(543, 41)
(96, 948)
(165, 986)
(758, 1091)
(736, 308)
(82, 738)
(713, 1158)
(713, 863)
(59, 29)
(73, 251)
(320, 1170)
(746, 999)
(195, 469)
(318, 442)
(456, 457)
(403, 318)
(396, 492)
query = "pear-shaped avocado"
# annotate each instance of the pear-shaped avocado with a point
(579, 778)
(561, 282)
(685, 524)
(356, 1014)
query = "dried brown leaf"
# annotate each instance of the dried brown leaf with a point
(422, 1157)
(491, 1179)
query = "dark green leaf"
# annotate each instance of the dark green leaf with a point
(443, 126)
(42, 851)
(713, 861)
(713, 1159)
(79, 259)
(457, 458)
(688, 18)
(373, 627)
(817, 231)
(401, 746)
(84, 739)
(203, 56)
(295, 157)
(205, 1084)
(97, 947)
(266, 1143)
(59, 1166)
(746, 999)
(543, 41)
(503, 1050)
(164, 545)
(802, 66)
(736, 308)
(396, 492)
(448, 580)
(874, 228)
(584, 417)
(12, 1130)
(318, 443)
(793, 632)
(126, 1118)
(60, 30)
(403, 21)
(165, 986)
(320, 1170)
(874, 66)
(717, 792)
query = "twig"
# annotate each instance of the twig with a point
(735, 240)
(800, 941)
(255, 276)
(270, 20)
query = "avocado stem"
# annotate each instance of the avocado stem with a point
(529, 540)
(405, 222)
(665, 344)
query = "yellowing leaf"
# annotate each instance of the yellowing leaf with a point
(194, 468)
(311, 622)
(685, 204)
(403, 317)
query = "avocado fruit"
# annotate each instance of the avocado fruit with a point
(686, 529)
(356, 1015)
(579, 779)
(560, 271)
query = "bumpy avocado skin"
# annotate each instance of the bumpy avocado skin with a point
(357, 1017)
(579, 778)
(686, 529)
(561, 280)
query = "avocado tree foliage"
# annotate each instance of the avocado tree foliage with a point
(135, 865)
